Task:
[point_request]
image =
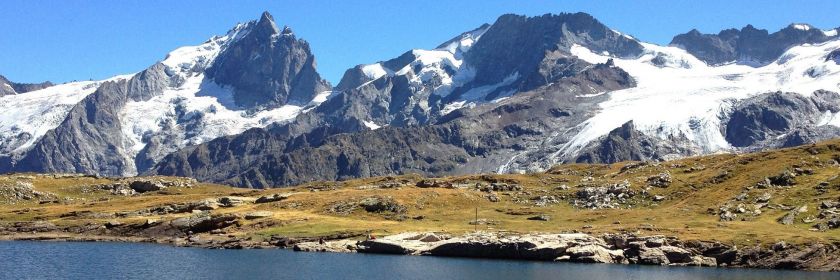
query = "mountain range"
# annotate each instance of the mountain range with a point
(519, 95)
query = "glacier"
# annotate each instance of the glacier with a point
(680, 96)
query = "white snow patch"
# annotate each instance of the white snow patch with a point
(803, 27)
(459, 47)
(197, 101)
(372, 125)
(321, 97)
(590, 95)
(185, 61)
(479, 93)
(622, 34)
(449, 108)
(830, 33)
(375, 71)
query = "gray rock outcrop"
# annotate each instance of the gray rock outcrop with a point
(626, 143)
(10, 88)
(781, 119)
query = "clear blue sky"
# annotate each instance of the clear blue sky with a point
(65, 40)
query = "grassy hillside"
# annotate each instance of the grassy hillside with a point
(757, 190)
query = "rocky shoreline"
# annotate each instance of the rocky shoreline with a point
(562, 247)
(585, 248)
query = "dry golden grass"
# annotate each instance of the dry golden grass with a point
(684, 214)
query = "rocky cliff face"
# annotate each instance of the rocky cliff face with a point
(268, 67)
(782, 119)
(535, 48)
(626, 143)
(749, 45)
(8, 87)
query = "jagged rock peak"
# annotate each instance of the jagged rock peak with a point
(267, 24)
(516, 45)
(287, 30)
(268, 68)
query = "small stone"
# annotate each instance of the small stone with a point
(833, 223)
(540, 218)
(779, 246)
(258, 215)
(703, 261)
(655, 242)
(150, 222)
(727, 216)
(230, 201)
(112, 224)
(273, 198)
(492, 197)
(662, 180)
(788, 218)
(784, 179)
(764, 198)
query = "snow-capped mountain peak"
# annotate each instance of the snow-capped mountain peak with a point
(195, 108)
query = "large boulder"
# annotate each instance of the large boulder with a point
(272, 198)
(676, 254)
(652, 256)
(384, 247)
(530, 247)
(151, 184)
(233, 201)
(593, 253)
(142, 186)
(378, 204)
(258, 215)
(662, 180)
(204, 222)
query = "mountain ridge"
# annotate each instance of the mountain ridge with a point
(519, 95)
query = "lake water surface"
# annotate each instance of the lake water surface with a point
(73, 260)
